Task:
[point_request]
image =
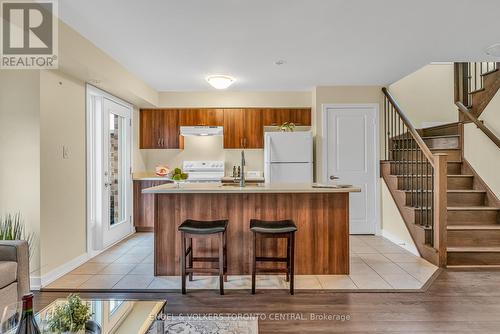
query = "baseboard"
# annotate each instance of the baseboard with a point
(52, 275)
(410, 248)
(62, 270)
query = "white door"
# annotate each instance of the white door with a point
(116, 172)
(351, 149)
(109, 179)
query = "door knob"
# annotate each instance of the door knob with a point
(332, 177)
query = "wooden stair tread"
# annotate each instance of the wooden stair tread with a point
(420, 162)
(466, 191)
(477, 91)
(473, 227)
(459, 208)
(473, 249)
(470, 191)
(429, 175)
(472, 208)
(489, 72)
(432, 149)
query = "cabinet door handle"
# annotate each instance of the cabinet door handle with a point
(158, 142)
(162, 142)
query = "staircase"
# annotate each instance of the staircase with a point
(470, 231)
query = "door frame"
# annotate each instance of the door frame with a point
(375, 108)
(94, 169)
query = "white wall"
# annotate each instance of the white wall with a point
(393, 225)
(20, 151)
(427, 95)
(479, 150)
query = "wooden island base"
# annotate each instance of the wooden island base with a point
(322, 239)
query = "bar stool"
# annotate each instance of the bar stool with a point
(274, 229)
(203, 229)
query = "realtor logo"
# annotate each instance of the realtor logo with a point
(29, 34)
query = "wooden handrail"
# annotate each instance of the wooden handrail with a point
(478, 123)
(416, 136)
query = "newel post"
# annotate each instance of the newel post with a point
(440, 206)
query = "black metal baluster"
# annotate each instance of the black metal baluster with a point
(386, 142)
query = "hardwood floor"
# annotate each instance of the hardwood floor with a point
(459, 301)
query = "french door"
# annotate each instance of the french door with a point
(110, 184)
(352, 157)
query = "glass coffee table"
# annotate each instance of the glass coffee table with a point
(120, 316)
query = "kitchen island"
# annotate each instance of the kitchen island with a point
(321, 216)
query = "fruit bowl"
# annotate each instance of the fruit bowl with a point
(178, 176)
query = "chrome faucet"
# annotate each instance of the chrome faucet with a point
(242, 176)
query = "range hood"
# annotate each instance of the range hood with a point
(202, 130)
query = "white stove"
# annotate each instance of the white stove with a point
(204, 171)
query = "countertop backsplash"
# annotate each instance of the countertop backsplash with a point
(204, 148)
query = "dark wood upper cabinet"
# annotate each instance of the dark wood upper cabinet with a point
(253, 129)
(243, 127)
(278, 116)
(234, 126)
(159, 128)
(201, 116)
(170, 131)
(301, 117)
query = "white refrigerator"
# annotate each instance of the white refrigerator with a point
(288, 157)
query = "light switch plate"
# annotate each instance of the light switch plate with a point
(65, 152)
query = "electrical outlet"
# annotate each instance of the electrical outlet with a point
(65, 152)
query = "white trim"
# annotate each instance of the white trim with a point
(324, 142)
(38, 282)
(401, 243)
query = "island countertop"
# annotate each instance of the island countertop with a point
(218, 188)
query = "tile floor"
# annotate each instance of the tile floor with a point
(376, 264)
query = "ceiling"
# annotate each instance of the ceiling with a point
(174, 45)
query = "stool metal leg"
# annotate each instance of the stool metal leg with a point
(292, 260)
(254, 266)
(190, 258)
(225, 256)
(221, 263)
(183, 263)
(288, 259)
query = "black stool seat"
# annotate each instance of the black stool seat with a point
(280, 226)
(203, 227)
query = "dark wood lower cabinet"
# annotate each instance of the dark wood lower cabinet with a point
(144, 205)
(322, 239)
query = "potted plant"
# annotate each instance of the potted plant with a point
(12, 228)
(287, 127)
(71, 316)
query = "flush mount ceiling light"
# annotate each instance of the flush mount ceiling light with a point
(220, 81)
(493, 50)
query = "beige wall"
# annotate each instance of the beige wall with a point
(337, 95)
(20, 151)
(427, 95)
(81, 59)
(393, 226)
(63, 197)
(479, 150)
(234, 99)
